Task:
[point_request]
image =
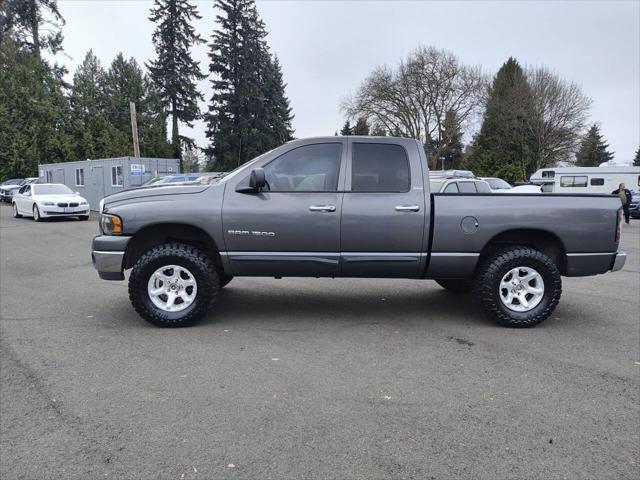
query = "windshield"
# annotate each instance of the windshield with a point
(52, 190)
(15, 181)
(435, 185)
(497, 183)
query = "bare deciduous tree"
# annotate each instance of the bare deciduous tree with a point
(562, 110)
(414, 99)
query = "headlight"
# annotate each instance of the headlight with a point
(84, 202)
(48, 204)
(110, 224)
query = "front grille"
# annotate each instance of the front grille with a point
(63, 204)
(73, 204)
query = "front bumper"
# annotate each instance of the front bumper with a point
(107, 255)
(55, 211)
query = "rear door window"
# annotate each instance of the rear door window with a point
(467, 187)
(483, 187)
(379, 167)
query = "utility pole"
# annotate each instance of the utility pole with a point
(134, 130)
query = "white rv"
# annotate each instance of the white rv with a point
(587, 179)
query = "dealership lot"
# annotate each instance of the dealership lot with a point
(308, 378)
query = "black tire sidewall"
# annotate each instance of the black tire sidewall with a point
(139, 294)
(497, 267)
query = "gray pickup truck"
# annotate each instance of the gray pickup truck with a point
(350, 207)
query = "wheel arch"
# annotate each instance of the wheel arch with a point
(542, 240)
(159, 234)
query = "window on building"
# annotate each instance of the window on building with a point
(79, 177)
(49, 176)
(117, 180)
(311, 168)
(379, 167)
(573, 181)
(597, 182)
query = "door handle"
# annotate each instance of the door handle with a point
(322, 208)
(407, 208)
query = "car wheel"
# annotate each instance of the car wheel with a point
(223, 278)
(15, 211)
(36, 214)
(173, 285)
(518, 286)
(455, 285)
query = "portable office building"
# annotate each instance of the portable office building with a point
(95, 179)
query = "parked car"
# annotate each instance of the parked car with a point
(8, 187)
(42, 200)
(350, 207)
(496, 184)
(459, 185)
(525, 189)
(634, 207)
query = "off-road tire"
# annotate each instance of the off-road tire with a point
(36, 214)
(491, 272)
(455, 285)
(15, 211)
(193, 259)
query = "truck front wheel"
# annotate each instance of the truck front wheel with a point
(173, 285)
(518, 286)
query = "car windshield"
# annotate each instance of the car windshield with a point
(435, 185)
(15, 181)
(497, 183)
(52, 190)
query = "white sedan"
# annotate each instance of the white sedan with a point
(43, 200)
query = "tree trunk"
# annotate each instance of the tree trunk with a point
(35, 27)
(175, 135)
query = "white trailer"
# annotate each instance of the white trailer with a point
(587, 179)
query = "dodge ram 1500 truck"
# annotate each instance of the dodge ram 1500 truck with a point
(350, 207)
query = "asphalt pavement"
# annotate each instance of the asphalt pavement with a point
(308, 378)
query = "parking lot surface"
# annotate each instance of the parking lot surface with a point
(308, 378)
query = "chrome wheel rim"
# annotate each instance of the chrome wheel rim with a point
(15, 210)
(521, 289)
(172, 288)
(36, 213)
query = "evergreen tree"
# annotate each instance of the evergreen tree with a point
(378, 131)
(248, 112)
(636, 159)
(361, 127)
(452, 149)
(505, 146)
(87, 108)
(23, 21)
(125, 82)
(593, 150)
(174, 73)
(34, 112)
(346, 129)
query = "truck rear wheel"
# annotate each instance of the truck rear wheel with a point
(173, 285)
(455, 285)
(518, 286)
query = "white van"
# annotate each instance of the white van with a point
(587, 179)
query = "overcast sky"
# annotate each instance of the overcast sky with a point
(328, 47)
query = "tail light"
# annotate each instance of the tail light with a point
(619, 226)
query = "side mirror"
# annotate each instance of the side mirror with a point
(257, 181)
